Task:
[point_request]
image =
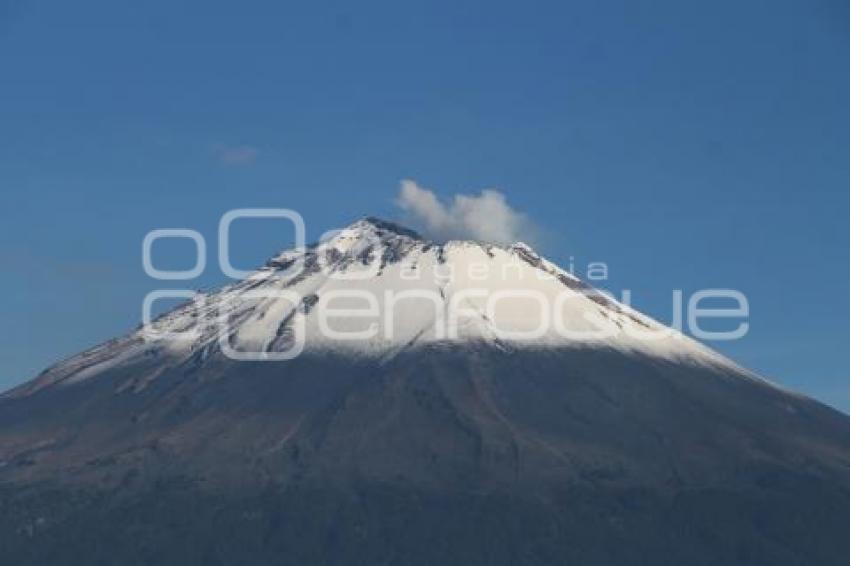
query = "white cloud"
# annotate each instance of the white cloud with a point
(237, 155)
(485, 217)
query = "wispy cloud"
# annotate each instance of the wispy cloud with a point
(237, 154)
(486, 216)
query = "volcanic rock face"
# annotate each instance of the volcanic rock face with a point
(437, 429)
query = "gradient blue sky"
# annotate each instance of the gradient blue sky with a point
(686, 144)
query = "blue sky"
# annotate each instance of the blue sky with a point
(686, 144)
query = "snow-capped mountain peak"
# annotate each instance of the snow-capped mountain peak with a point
(374, 289)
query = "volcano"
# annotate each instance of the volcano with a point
(378, 398)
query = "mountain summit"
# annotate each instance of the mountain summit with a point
(384, 290)
(380, 398)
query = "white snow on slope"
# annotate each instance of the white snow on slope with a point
(375, 289)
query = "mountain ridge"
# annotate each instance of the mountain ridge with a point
(411, 448)
(388, 262)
